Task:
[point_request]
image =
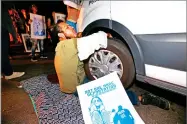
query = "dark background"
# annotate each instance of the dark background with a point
(45, 8)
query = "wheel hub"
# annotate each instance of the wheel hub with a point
(104, 68)
(104, 62)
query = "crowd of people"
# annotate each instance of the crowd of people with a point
(21, 22)
(17, 22)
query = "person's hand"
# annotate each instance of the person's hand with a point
(30, 21)
(61, 36)
(11, 37)
(53, 14)
(79, 34)
(109, 35)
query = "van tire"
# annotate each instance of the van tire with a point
(119, 48)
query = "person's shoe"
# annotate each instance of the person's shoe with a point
(43, 57)
(15, 75)
(148, 98)
(31, 54)
(19, 86)
(33, 59)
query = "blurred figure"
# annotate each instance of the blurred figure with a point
(6, 27)
(24, 28)
(48, 40)
(54, 33)
(17, 22)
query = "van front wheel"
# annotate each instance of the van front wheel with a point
(116, 57)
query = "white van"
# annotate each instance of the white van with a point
(149, 41)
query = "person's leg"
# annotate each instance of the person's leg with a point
(5, 62)
(41, 42)
(150, 99)
(33, 50)
(10, 53)
(86, 80)
(41, 47)
(133, 97)
(7, 70)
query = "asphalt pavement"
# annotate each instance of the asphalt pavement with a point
(17, 107)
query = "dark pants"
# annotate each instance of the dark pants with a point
(55, 39)
(5, 44)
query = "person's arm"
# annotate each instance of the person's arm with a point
(79, 34)
(9, 25)
(28, 20)
(6, 19)
(12, 30)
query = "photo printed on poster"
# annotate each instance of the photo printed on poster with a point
(38, 26)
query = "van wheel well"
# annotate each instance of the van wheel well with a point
(114, 34)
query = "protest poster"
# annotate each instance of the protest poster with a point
(104, 101)
(59, 16)
(27, 41)
(38, 26)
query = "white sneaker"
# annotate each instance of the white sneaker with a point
(19, 86)
(33, 60)
(15, 75)
(43, 57)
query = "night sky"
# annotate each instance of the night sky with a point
(44, 7)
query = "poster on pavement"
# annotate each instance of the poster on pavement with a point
(38, 26)
(104, 101)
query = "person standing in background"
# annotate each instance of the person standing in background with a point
(17, 22)
(48, 32)
(48, 28)
(12, 40)
(6, 28)
(34, 10)
(24, 28)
